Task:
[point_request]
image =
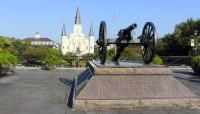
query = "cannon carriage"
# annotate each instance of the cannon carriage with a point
(147, 41)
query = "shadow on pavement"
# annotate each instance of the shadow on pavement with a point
(66, 81)
(190, 76)
(186, 73)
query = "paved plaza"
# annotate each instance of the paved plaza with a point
(35, 91)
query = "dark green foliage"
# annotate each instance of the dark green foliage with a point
(131, 53)
(6, 42)
(196, 64)
(20, 46)
(178, 43)
(50, 51)
(70, 56)
(157, 60)
(62, 62)
(78, 51)
(14, 46)
(89, 56)
(51, 63)
(110, 53)
(7, 62)
(196, 49)
(36, 55)
(8, 59)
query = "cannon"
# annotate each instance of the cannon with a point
(147, 40)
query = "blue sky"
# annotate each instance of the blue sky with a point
(23, 18)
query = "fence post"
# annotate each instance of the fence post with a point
(76, 64)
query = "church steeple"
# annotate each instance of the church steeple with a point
(91, 31)
(63, 31)
(78, 17)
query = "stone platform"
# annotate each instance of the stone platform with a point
(125, 68)
(135, 87)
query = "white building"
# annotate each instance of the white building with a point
(77, 41)
(38, 41)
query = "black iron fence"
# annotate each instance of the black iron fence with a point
(80, 61)
(70, 61)
(177, 60)
(167, 60)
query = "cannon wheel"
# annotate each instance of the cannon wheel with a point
(102, 42)
(148, 41)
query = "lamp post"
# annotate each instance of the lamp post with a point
(195, 32)
(193, 42)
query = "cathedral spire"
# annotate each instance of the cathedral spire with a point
(78, 17)
(91, 31)
(63, 31)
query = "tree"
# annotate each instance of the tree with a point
(178, 43)
(34, 55)
(55, 52)
(21, 46)
(110, 53)
(39, 54)
(89, 56)
(52, 62)
(7, 62)
(51, 51)
(196, 48)
(70, 57)
(14, 46)
(5, 42)
(131, 53)
(78, 51)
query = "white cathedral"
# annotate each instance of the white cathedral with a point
(77, 42)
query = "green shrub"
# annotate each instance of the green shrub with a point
(196, 64)
(62, 62)
(51, 63)
(157, 60)
(7, 62)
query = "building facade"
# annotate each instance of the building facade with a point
(77, 42)
(38, 41)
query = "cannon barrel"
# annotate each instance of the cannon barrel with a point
(130, 28)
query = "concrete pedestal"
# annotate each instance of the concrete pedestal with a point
(134, 87)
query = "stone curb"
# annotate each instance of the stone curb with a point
(130, 71)
(137, 104)
(39, 68)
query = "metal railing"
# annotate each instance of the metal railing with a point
(81, 61)
(177, 60)
(71, 61)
